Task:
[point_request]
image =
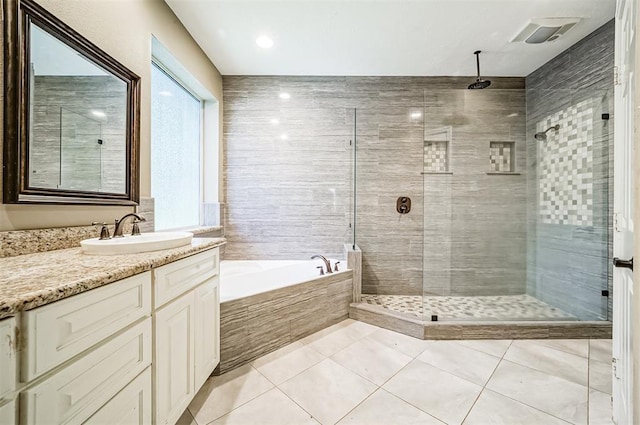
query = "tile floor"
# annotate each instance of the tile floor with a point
(355, 373)
(503, 307)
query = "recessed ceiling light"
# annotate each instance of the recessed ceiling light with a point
(264, 42)
(416, 115)
(284, 136)
(98, 114)
(275, 121)
(285, 96)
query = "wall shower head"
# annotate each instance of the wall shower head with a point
(479, 83)
(542, 136)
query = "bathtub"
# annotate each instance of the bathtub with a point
(244, 278)
(265, 305)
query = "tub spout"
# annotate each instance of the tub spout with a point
(327, 263)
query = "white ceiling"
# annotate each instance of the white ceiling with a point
(381, 37)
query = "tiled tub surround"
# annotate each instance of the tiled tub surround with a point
(570, 178)
(258, 323)
(288, 178)
(32, 280)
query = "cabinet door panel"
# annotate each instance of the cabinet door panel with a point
(58, 331)
(174, 385)
(76, 392)
(8, 414)
(7, 357)
(207, 330)
(173, 280)
(131, 406)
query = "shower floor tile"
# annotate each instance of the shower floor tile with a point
(499, 307)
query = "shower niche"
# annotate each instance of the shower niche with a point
(502, 158)
(437, 151)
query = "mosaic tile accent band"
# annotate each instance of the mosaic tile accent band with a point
(566, 166)
(508, 307)
(501, 157)
(435, 157)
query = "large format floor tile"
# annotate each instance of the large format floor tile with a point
(549, 360)
(328, 391)
(271, 408)
(579, 347)
(495, 347)
(453, 357)
(334, 338)
(600, 376)
(410, 346)
(372, 360)
(287, 362)
(599, 408)
(383, 408)
(221, 394)
(600, 350)
(355, 373)
(439, 393)
(555, 396)
(495, 409)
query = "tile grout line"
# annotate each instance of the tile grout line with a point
(526, 404)
(485, 384)
(391, 377)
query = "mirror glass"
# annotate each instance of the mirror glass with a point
(78, 120)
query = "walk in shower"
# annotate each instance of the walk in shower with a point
(503, 226)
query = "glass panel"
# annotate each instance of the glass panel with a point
(175, 153)
(389, 168)
(81, 156)
(571, 185)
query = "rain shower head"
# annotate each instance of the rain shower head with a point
(542, 136)
(479, 83)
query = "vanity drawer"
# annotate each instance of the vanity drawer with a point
(79, 390)
(131, 406)
(173, 280)
(57, 332)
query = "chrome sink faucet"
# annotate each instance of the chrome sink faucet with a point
(117, 232)
(327, 263)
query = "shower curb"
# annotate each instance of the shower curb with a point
(420, 329)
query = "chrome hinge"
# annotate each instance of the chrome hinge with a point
(616, 76)
(615, 222)
(614, 367)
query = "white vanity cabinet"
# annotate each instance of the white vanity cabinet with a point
(131, 352)
(187, 344)
(8, 377)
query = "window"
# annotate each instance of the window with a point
(176, 144)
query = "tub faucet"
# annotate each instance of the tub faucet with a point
(117, 232)
(327, 263)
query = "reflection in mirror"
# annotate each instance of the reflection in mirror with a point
(77, 132)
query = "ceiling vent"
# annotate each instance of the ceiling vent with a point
(544, 30)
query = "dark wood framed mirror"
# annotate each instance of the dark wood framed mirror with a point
(71, 115)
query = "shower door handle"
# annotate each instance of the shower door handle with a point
(627, 264)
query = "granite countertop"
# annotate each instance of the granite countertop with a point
(32, 280)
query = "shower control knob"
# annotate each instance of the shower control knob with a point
(403, 205)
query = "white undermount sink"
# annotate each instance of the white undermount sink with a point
(145, 242)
